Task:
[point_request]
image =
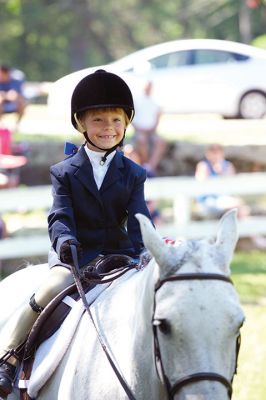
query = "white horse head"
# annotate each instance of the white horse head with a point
(195, 321)
(199, 316)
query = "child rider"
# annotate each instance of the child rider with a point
(96, 193)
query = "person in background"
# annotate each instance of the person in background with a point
(153, 208)
(149, 146)
(154, 212)
(214, 165)
(215, 205)
(11, 93)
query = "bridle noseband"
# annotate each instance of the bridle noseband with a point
(210, 376)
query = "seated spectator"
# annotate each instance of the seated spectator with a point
(149, 146)
(154, 212)
(214, 165)
(11, 94)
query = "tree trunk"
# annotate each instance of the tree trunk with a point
(245, 22)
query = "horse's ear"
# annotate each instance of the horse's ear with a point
(166, 256)
(227, 237)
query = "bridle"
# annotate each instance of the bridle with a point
(210, 376)
(170, 390)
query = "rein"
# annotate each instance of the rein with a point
(74, 270)
(200, 376)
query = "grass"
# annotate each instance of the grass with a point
(249, 276)
(249, 383)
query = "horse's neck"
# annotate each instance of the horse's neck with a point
(130, 303)
(143, 289)
(140, 315)
(133, 297)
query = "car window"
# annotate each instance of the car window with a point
(171, 60)
(203, 56)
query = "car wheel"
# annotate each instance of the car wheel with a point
(252, 105)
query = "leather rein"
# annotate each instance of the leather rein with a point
(200, 376)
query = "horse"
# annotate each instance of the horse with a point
(171, 328)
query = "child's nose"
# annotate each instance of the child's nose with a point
(108, 122)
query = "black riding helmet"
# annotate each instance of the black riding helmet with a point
(99, 90)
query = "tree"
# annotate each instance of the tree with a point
(50, 38)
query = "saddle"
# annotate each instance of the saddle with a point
(107, 269)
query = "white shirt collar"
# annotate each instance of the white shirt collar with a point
(96, 156)
(99, 170)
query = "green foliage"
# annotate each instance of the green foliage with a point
(48, 38)
(260, 41)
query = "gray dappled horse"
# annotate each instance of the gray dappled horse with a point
(171, 328)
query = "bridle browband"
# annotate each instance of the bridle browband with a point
(200, 376)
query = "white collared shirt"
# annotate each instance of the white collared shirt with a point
(99, 171)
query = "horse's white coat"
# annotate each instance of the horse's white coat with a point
(205, 317)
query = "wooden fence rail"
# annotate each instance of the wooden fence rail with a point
(179, 190)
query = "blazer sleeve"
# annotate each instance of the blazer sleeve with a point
(137, 204)
(61, 221)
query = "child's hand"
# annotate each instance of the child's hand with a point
(65, 251)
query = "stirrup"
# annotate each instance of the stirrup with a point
(7, 377)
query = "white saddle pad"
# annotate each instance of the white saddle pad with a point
(51, 351)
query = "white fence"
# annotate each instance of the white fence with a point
(180, 190)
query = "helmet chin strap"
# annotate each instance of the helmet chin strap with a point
(108, 151)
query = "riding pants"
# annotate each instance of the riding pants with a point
(19, 325)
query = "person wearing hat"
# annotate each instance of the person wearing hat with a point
(96, 193)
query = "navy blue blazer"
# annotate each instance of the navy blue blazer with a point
(103, 220)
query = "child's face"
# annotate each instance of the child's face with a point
(104, 127)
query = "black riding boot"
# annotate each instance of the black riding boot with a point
(7, 376)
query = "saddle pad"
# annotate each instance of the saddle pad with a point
(51, 351)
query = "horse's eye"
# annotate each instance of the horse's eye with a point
(163, 325)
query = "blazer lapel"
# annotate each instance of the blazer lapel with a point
(84, 172)
(114, 172)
